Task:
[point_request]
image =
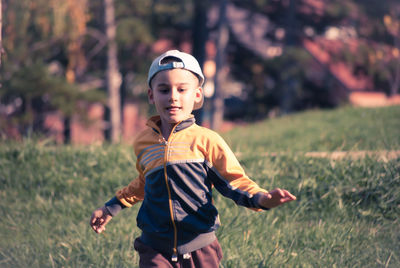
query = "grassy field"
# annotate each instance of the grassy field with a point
(346, 215)
(346, 129)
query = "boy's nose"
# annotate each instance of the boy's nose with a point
(174, 95)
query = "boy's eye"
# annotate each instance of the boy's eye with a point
(163, 90)
(182, 89)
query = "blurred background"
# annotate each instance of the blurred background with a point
(75, 70)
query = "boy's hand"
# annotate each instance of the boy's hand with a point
(99, 219)
(275, 198)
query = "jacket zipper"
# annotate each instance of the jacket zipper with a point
(174, 257)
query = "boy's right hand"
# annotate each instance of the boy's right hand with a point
(99, 219)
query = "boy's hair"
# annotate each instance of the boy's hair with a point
(174, 59)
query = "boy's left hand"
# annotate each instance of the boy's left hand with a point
(275, 198)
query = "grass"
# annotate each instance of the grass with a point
(346, 129)
(346, 215)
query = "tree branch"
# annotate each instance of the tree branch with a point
(102, 42)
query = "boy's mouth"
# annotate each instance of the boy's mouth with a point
(173, 108)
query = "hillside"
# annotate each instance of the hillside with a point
(345, 129)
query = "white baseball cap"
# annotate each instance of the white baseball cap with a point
(181, 60)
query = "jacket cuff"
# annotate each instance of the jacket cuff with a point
(257, 197)
(114, 206)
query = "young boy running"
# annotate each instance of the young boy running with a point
(179, 163)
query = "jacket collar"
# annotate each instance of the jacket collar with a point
(155, 121)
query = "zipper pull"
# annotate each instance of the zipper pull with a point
(163, 141)
(174, 257)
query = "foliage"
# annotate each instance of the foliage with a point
(346, 214)
(41, 31)
(32, 91)
(280, 84)
(41, 36)
(70, 34)
(378, 33)
(290, 82)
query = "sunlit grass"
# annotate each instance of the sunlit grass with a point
(346, 129)
(346, 215)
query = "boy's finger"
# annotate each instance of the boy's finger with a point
(95, 228)
(98, 228)
(288, 194)
(93, 221)
(281, 192)
(276, 192)
(101, 229)
(287, 199)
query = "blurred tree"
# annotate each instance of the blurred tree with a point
(71, 34)
(290, 86)
(199, 38)
(39, 33)
(1, 33)
(77, 14)
(135, 35)
(378, 31)
(113, 76)
(392, 23)
(217, 111)
(279, 80)
(34, 91)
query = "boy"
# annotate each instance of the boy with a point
(178, 163)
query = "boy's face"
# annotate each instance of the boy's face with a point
(174, 93)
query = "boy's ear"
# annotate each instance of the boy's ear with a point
(199, 94)
(150, 96)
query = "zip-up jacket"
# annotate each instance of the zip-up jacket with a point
(175, 184)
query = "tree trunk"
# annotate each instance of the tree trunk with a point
(394, 89)
(217, 116)
(113, 75)
(1, 27)
(199, 34)
(67, 129)
(288, 97)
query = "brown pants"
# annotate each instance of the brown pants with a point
(207, 257)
